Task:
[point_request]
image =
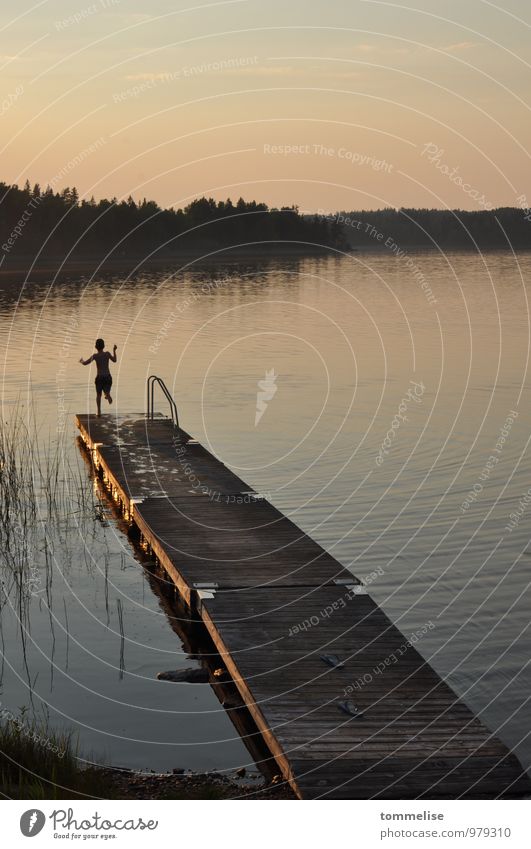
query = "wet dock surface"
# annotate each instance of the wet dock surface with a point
(344, 702)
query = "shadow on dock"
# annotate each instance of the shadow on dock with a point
(296, 635)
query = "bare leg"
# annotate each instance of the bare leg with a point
(108, 397)
(98, 402)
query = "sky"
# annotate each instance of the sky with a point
(327, 104)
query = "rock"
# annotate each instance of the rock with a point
(178, 770)
(332, 660)
(190, 676)
(221, 673)
(242, 772)
(231, 705)
(349, 707)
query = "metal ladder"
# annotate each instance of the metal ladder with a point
(151, 381)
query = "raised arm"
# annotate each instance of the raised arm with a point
(86, 362)
(113, 355)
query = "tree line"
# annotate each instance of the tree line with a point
(33, 219)
(501, 228)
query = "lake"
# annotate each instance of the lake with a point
(397, 436)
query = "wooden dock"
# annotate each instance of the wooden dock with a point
(274, 602)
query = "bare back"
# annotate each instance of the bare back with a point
(101, 358)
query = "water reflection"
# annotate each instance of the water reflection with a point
(345, 336)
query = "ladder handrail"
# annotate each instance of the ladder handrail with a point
(151, 381)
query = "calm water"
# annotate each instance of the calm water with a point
(345, 338)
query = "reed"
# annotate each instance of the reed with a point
(47, 505)
(37, 762)
(43, 497)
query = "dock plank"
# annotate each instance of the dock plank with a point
(408, 711)
(235, 545)
(274, 601)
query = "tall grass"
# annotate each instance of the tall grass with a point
(39, 763)
(18, 496)
(47, 502)
(42, 496)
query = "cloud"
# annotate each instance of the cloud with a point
(272, 71)
(460, 45)
(289, 71)
(246, 70)
(343, 75)
(365, 47)
(151, 77)
(385, 49)
(137, 17)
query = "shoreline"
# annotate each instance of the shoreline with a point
(133, 784)
(22, 269)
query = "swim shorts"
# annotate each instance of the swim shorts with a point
(103, 383)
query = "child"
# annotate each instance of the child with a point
(103, 379)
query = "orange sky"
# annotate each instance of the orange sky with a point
(341, 104)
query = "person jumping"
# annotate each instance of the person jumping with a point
(103, 379)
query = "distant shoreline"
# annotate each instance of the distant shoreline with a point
(21, 267)
(21, 270)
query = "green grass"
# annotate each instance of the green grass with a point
(39, 763)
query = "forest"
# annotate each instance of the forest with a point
(41, 223)
(504, 228)
(36, 222)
